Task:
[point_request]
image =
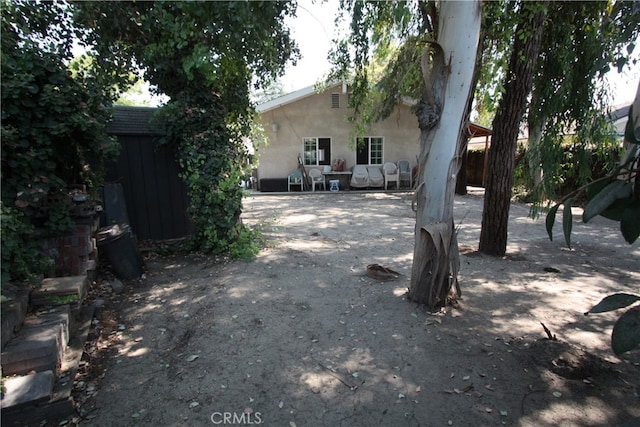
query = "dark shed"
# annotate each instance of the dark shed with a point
(155, 195)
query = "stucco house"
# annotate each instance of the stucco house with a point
(314, 127)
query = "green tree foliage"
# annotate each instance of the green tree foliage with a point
(499, 21)
(53, 131)
(137, 95)
(203, 56)
(387, 36)
(271, 91)
(615, 196)
(625, 335)
(581, 41)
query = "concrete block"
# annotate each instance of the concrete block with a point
(28, 389)
(61, 290)
(58, 315)
(34, 349)
(13, 312)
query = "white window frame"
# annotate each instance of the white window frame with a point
(310, 158)
(369, 140)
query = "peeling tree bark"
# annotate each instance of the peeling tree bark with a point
(498, 190)
(448, 69)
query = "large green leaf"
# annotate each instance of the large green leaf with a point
(595, 187)
(567, 221)
(616, 209)
(550, 220)
(616, 190)
(630, 222)
(626, 332)
(614, 302)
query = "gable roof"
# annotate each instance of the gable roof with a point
(475, 129)
(621, 112)
(132, 121)
(286, 99)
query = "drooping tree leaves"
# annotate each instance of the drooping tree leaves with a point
(615, 196)
(603, 200)
(580, 42)
(625, 335)
(626, 331)
(614, 302)
(550, 220)
(53, 132)
(630, 221)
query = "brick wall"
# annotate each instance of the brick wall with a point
(76, 251)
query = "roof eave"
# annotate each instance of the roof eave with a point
(286, 99)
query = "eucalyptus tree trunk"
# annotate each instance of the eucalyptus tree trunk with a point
(448, 69)
(519, 79)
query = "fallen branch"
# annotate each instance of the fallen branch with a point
(340, 377)
(549, 335)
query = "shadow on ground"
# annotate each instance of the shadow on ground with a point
(301, 336)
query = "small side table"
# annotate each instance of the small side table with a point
(343, 177)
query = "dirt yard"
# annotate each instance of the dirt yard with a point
(302, 337)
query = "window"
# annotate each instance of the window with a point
(317, 151)
(335, 100)
(369, 151)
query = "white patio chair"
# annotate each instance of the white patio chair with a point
(391, 175)
(316, 179)
(404, 167)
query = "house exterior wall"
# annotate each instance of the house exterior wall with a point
(312, 116)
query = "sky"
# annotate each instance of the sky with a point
(313, 30)
(624, 86)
